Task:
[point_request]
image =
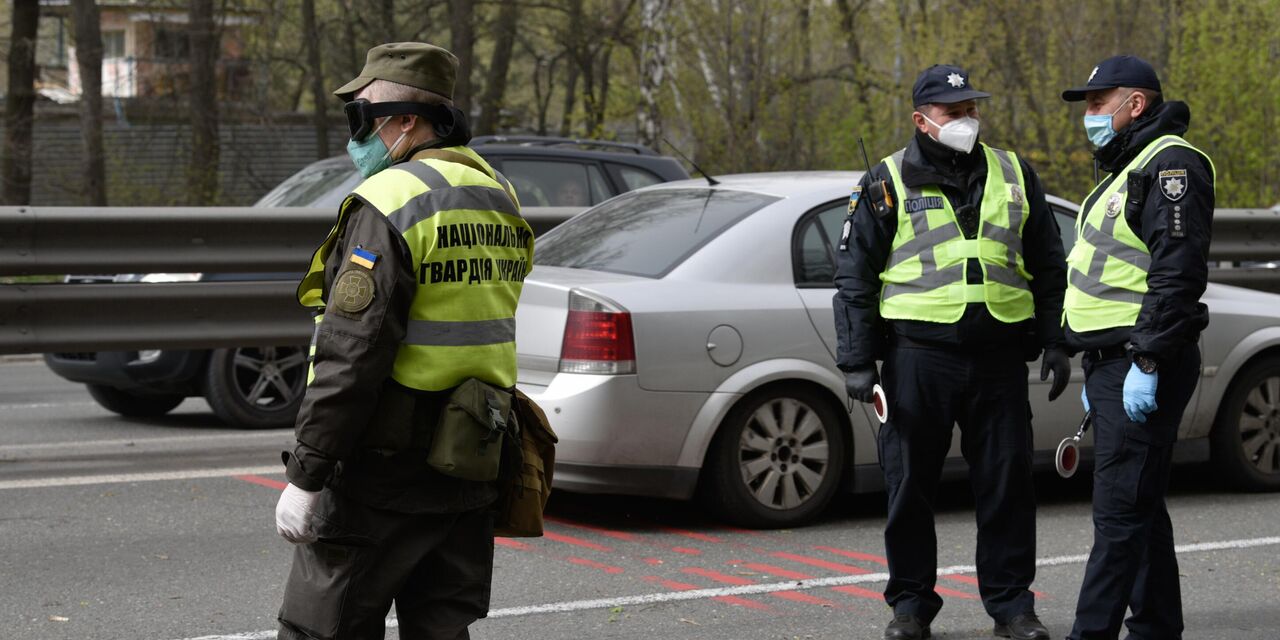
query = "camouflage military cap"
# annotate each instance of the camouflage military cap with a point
(416, 64)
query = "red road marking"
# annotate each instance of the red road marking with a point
(608, 533)
(856, 555)
(817, 562)
(702, 537)
(739, 580)
(266, 482)
(653, 561)
(881, 560)
(629, 537)
(511, 544)
(943, 591)
(577, 542)
(772, 570)
(683, 586)
(594, 565)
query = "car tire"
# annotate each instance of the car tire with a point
(133, 405)
(256, 387)
(1245, 441)
(776, 460)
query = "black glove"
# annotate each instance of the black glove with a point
(1056, 360)
(859, 383)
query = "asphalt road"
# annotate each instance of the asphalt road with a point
(162, 529)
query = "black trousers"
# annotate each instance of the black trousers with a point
(929, 392)
(1132, 564)
(438, 569)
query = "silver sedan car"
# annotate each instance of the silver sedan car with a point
(681, 340)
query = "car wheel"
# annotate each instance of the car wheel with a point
(133, 405)
(1246, 437)
(776, 460)
(256, 387)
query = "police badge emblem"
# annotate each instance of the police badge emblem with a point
(1015, 194)
(1114, 205)
(1173, 183)
(354, 291)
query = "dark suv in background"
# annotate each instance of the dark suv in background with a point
(261, 387)
(546, 172)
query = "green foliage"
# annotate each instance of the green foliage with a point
(1228, 54)
(756, 85)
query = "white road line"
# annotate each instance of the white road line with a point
(72, 481)
(129, 442)
(773, 587)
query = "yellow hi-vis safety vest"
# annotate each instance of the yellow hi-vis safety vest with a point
(925, 277)
(473, 251)
(1107, 268)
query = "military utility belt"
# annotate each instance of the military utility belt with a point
(468, 435)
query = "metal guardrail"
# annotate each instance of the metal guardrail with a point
(36, 318)
(87, 240)
(118, 317)
(1241, 235)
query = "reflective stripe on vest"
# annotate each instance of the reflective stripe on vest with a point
(471, 251)
(1108, 266)
(925, 277)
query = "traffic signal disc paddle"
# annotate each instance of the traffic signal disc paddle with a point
(879, 403)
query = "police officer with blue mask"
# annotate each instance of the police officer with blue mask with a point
(951, 272)
(1137, 271)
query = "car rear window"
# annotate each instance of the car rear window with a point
(646, 233)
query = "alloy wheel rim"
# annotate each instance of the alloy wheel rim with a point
(784, 453)
(269, 378)
(1260, 426)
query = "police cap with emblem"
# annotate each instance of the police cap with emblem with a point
(944, 84)
(1117, 71)
(415, 64)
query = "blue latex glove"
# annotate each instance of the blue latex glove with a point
(1139, 393)
(1084, 398)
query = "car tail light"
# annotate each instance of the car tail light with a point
(597, 337)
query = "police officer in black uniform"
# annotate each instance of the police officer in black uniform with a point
(1137, 316)
(938, 371)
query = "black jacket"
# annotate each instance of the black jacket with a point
(1172, 314)
(863, 335)
(358, 431)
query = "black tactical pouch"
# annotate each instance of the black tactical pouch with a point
(468, 437)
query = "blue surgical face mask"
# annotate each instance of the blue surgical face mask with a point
(371, 155)
(1100, 128)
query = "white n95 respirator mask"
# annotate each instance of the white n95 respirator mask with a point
(960, 134)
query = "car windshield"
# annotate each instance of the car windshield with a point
(646, 233)
(310, 185)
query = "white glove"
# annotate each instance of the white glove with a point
(295, 514)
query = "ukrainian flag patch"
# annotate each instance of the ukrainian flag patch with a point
(363, 257)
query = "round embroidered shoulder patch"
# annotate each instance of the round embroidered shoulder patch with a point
(353, 291)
